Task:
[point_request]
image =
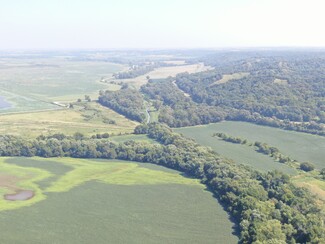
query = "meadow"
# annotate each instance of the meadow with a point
(314, 184)
(298, 146)
(229, 77)
(87, 118)
(83, 201)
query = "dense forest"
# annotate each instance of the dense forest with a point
(126, 101)
(288, 88)
(266, 206)
(178, 110)
(281, 89)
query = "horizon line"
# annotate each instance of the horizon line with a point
(160, 48)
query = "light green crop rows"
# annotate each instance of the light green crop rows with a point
(82, 171)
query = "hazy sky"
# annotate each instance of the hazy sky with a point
(41, 24)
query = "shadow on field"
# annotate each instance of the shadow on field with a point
(235, 227)
(233, 220)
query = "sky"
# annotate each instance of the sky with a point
(160, 24)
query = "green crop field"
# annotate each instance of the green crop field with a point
(32, 84)
(298, 146)
(100, 201)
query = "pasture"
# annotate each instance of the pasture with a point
(86, 118)
(100, 201)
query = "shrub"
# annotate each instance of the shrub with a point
(306, 166)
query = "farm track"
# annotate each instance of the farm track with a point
(148, 115)
(185, 94)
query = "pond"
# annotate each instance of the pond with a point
(20, 195)
(4, 104)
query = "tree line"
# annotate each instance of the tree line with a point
(140, 69)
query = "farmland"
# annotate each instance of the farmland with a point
(101, 198)
(33, 84)
(34, 94)
(299, 146)
(165, 122)
(92, 198)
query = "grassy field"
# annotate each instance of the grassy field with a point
(101, 201)
(299, 146)
(164, 72)
(154, 116)
(229, 77)
(316, 186)
(29, 84)
(86, 118)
